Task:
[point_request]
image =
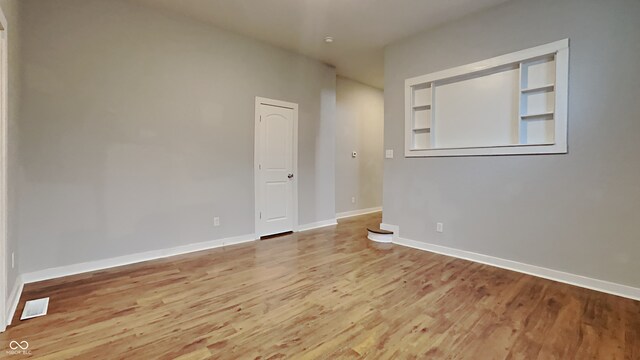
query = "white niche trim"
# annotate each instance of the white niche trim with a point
(510, 104)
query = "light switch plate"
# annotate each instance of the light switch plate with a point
(388, 154)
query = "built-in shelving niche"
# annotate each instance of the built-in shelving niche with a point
(421, 110)
(512, 104)
(537, 101)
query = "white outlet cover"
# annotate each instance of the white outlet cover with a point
(439, 227)
(388, 154)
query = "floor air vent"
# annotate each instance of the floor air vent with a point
(35, 308)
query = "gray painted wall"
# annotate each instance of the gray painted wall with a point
(11, 12)
(359, 127)
(137, 128)
(577, 212)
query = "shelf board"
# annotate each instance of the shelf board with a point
(422, 129)
(536, 144)
(548, 87)
(536, 116)
(421, 107)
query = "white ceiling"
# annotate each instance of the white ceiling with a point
(361, 28)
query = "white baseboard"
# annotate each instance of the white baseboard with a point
(351, 213)
(14, 299)
(317, 225)
(80, 268)
(556, 275)
(62, 271)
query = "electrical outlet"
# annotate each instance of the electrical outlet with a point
(354, 154)
(216, 221)
(388, 154)
(13, 260)
(439, 227)
(353, 200)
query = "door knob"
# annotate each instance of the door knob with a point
(290, 176)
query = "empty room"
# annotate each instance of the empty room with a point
(286, 179)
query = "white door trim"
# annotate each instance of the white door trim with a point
(256, 157)
(4, 82)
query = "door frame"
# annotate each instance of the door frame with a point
(256, 159)
(4, 138)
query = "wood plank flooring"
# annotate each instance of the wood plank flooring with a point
(323, 294)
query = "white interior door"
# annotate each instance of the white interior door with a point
(276, 169)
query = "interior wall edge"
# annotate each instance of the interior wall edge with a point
(317, 225)
(347, 214)
(14, 299)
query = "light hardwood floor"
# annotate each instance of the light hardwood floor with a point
(327, 294)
